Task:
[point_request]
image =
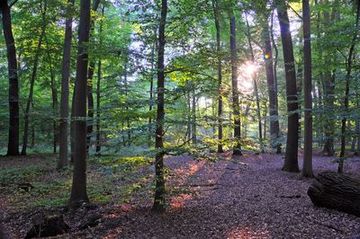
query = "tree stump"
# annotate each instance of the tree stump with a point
(336, 191)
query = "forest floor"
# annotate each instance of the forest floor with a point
(242, 197)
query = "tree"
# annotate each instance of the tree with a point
(64, 102)
(159, 200)
(90, 97)
(78, 190)
(307, 166)
(291, 154)
(215, 6)
(234, 82)
(33, 77)
(270, 70)
(349, 64)
(13, 136)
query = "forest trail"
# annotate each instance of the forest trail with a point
(243, 197)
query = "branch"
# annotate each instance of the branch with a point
(297, 14)
(13, 3)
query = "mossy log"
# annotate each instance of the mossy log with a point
(336, 191)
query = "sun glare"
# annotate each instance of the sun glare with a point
(245, 80)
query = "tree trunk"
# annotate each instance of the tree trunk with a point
(13, 137)
(54, 101)
(151, 90)
(256, 90)
(235, 93)
(272, 61)
(98, 110)
(307, 165)
(78, 190)
(291, 155)
(159, 197)
(32, 80)
(90, 96)
(126, 84)
(193, 114)
(64, 101)
(329, 93)
(215, 6)
(336, 191)
(347, 90)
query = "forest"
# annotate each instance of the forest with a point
(180, 119)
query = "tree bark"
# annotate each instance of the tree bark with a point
(272, 91)
(329, 92)
(78, 190)
(291, 155)
(193, 114)
(55, 102)
(274, 87)
(13, 136)
(64, 101)
(336, 191)
(215, 6)
(159, 197)
(347, 90)
(32, 80)
(256, 90)
(307, 165)
(90, 96)
(98, 110)
(234, 83)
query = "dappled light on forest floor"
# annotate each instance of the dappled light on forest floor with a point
(178, 201)
(242, 197)
(248, 233)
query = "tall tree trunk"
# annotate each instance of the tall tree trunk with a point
(32, 80)
(272, 91)
(273, 86)
(349, 64)
(159, 199)
(256, 90)
(307, 165)
(98, 110)
(126, 84)
(90, 96)
(151, 90)
(13, 136)
(193, 114)
(234, 82)
(54, 99)
(98, 91)
(329, 92)
(291, 155)
(64, 101)
(215, 6)
(78, 190)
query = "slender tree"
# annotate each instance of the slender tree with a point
(159, 200)
(349, 65)
(98, 90)
(256, 90)
(234, 83)
(78, 190)
(91, 69)
(215, 6)
(271, 85)
(64, 101)
(307, 165)
(291, 155)
(13, 136)
(33, 77)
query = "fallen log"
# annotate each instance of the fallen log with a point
(336, 191)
